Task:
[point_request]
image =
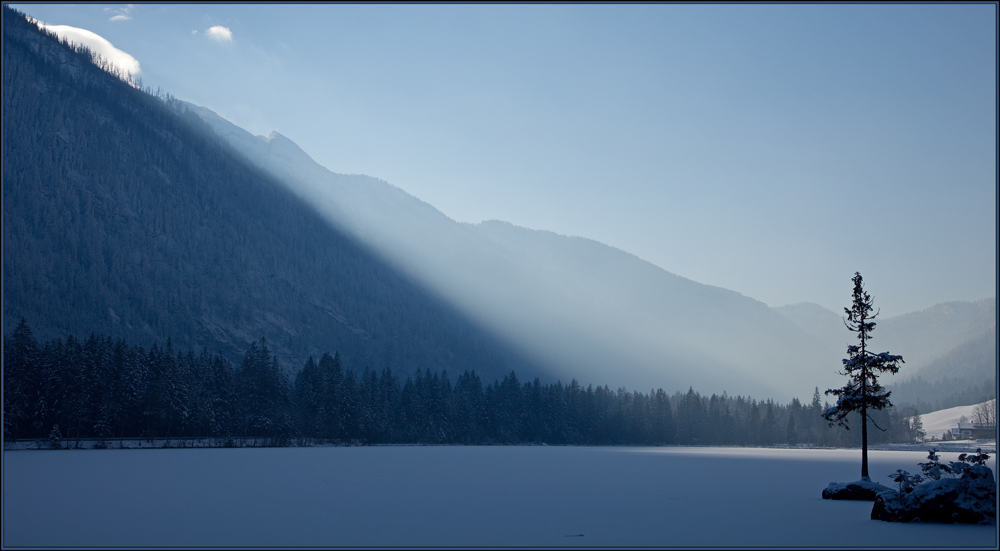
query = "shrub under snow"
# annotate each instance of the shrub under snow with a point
(962, 492)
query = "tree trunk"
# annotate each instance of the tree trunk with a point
(864, 441)
(864, 401)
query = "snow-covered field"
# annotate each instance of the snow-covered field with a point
(454, 496)
(936, 423)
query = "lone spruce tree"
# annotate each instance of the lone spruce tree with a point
(862, 368)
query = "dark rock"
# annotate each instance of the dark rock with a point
(887, 507)
(861, 490)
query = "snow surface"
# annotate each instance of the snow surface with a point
(455, 496)
(936, 423)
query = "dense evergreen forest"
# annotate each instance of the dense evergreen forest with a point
(105, 388)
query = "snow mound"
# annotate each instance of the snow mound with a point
(859, 490)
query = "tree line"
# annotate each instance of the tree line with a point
(106, 389)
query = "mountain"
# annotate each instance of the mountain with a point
(815, 320)
(580, 308)
(921, 337)
(975, 359)
(148, 218)
(950, 350)
(967, 374)
(935, 332)
(122, 216)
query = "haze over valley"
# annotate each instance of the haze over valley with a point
(154, 218)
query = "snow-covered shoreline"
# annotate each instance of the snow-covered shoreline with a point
(957, 446)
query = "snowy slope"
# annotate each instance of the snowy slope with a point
(936, 423)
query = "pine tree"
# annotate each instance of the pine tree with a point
(20, 363)
(222, 397)
(862, 392)
(815, 418)
(330, 396)
(917, 428)
(663, 425)
(308, 385)
(791, 430)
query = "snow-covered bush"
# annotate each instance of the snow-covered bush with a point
(962, 491)
(935, 470)
(905, 480)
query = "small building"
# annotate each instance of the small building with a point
(974, 431)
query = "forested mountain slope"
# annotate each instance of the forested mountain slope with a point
(921, 337)
(965, 375)
(935, 332)
(125, 218)
(581, 308)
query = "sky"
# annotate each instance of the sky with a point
(769, 149)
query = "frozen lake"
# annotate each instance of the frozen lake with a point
(454, 496)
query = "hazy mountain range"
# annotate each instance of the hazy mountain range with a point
(921, 337)
(950, 349)
(578, 307)
(127, 214)
(567, 298)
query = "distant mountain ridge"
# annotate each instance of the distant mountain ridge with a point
(921, 337)
(581, 308)
(950, 349)
(965, 375)
(934, 332)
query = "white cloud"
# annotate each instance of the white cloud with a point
(220, 33)
(121, 14)
(98, 44)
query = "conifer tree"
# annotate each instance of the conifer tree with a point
(917, 428)
(20, 357)
(862, 391)
(330, 396)
(308, 385)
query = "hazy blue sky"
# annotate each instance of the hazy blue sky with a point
(769, 149)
